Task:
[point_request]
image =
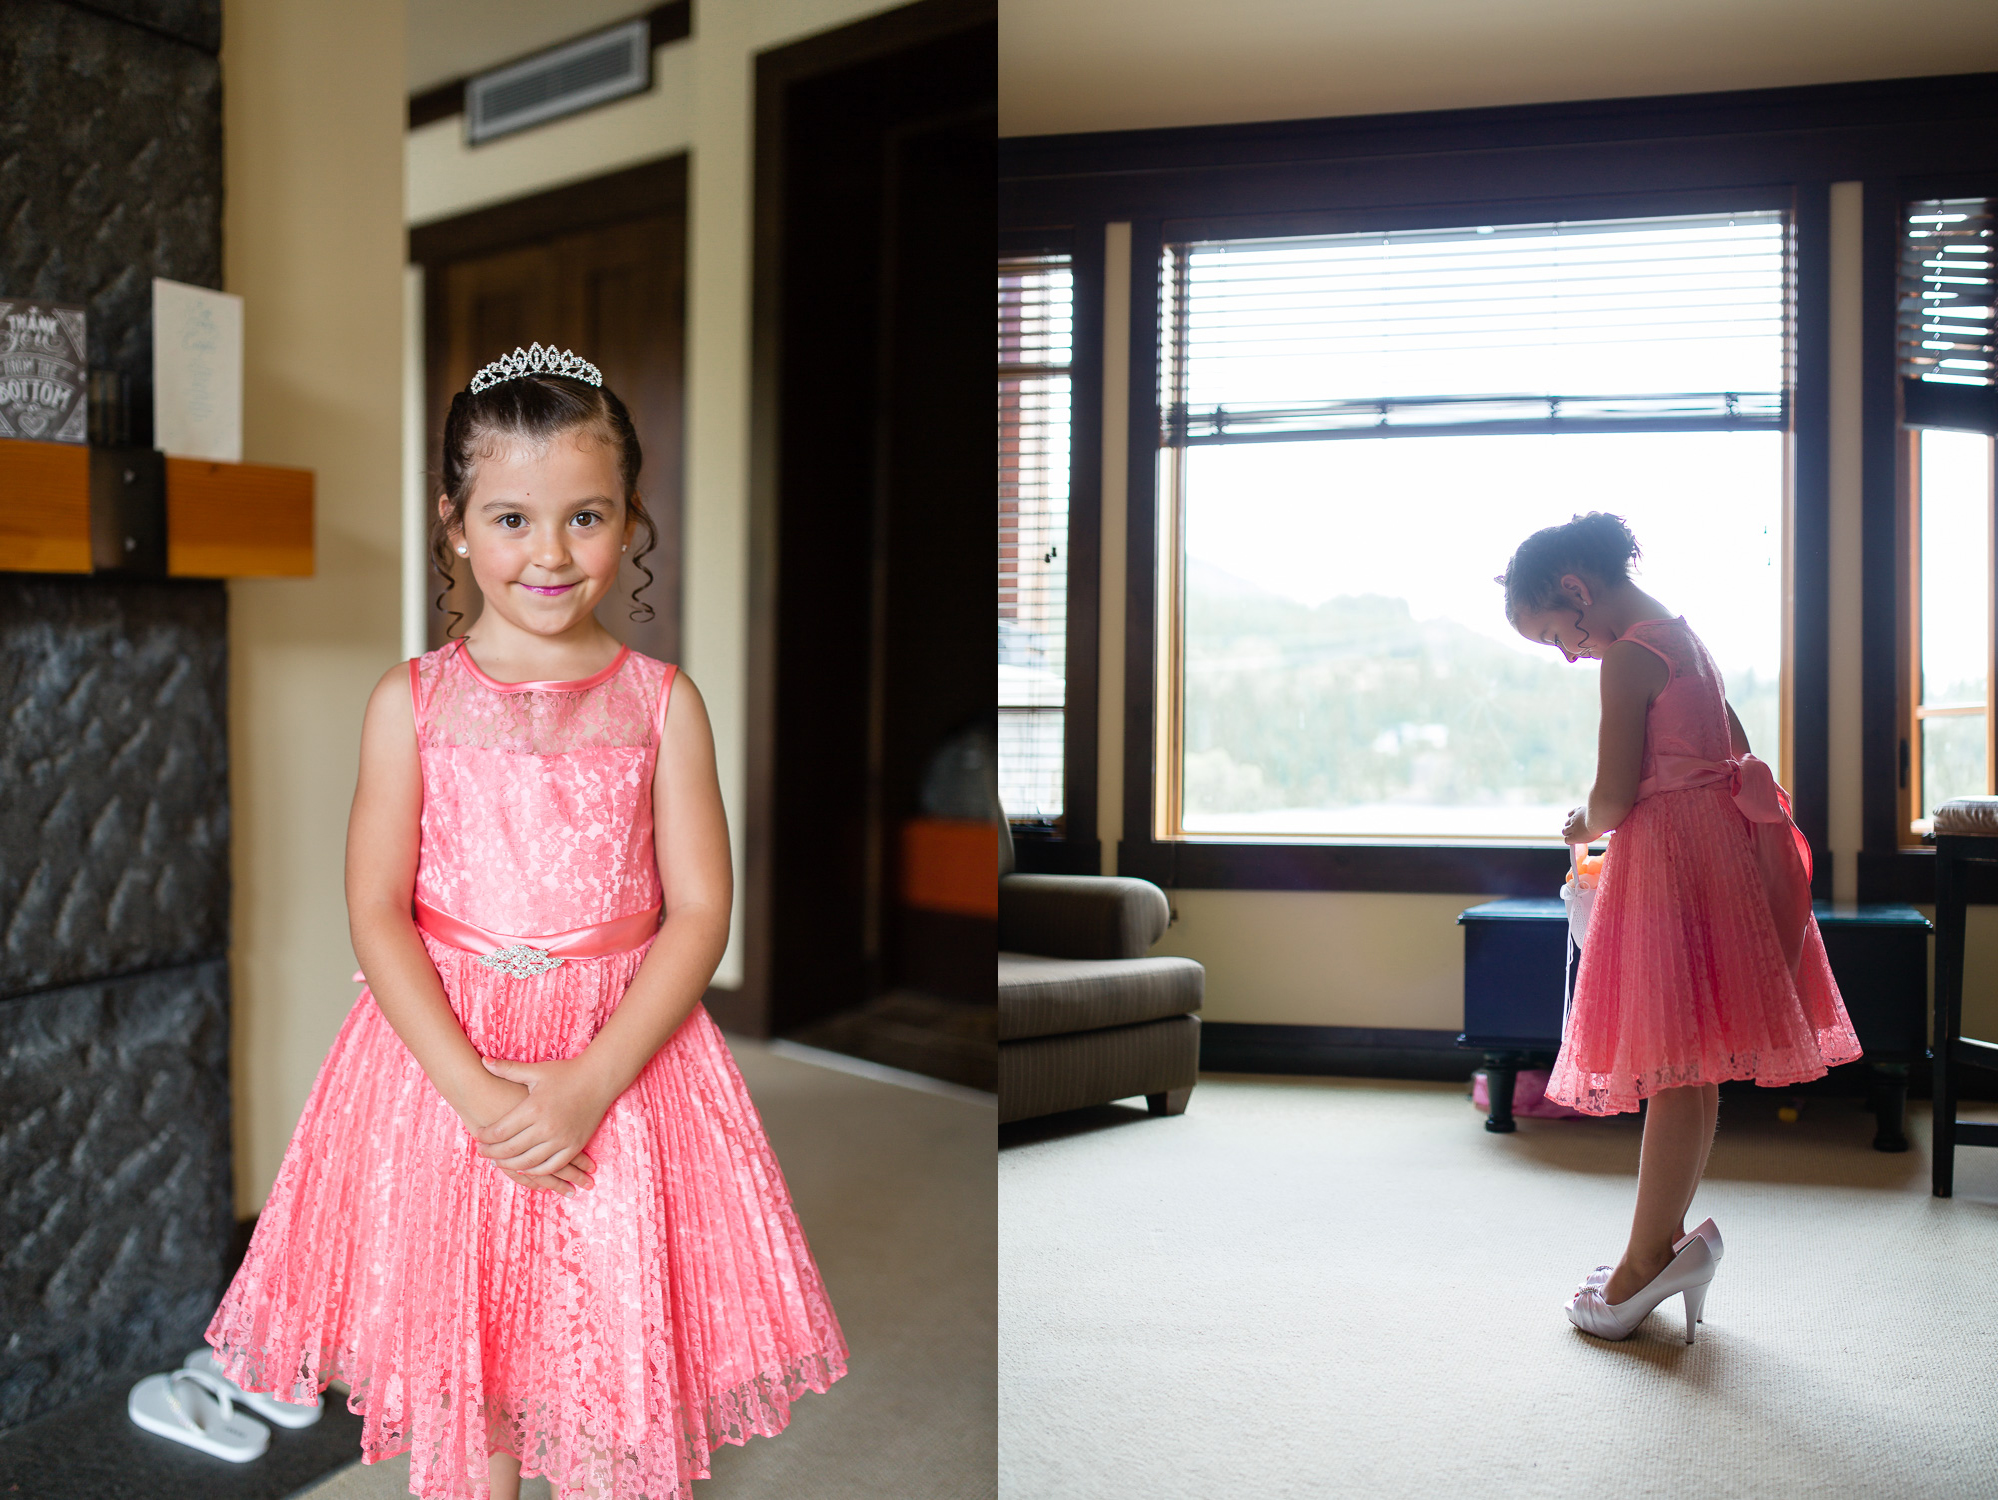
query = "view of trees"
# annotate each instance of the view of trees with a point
(1294, 713)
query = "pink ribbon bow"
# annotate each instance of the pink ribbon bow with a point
(1782, 853)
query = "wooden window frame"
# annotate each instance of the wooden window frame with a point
(1432, 866)
(1167, 821)
(1595, 159)
(1908, 544)
(1027, 825)
(1895, 863)
(1073, 847)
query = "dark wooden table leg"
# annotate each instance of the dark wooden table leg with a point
(1888, 1087)
(1501, 1073)
(1949, 992)
(1171, 1102)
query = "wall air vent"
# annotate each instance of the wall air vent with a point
(561, 81)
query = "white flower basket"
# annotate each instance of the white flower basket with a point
(1580, 900)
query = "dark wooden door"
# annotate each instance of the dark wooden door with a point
(615, 293)
(870, 531)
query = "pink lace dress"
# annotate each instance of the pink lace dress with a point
(1703, 962)
(610, 1339)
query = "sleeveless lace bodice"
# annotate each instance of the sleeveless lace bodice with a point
(537, 796)
(1689, 716)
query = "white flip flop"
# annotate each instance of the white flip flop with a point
(172, 1406)
(265, 1405)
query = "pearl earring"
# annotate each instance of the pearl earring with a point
(625, 548)
(463, 551)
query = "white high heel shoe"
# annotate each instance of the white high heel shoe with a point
(1687, 1275)
(1706, 1230)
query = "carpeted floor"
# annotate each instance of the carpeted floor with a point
(894, 1185)
(1330, 1287)
(947, 1039)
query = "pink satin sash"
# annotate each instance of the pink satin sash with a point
(619, 935)
(1782, 853)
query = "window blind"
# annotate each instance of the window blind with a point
(1036, 302)
(1631, 325)
(1948, 351)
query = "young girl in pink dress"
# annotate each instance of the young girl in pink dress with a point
(1703, 961)
(529, 1214)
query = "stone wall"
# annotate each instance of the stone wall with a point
(114, 810)
(114, 1185)
(110, 161)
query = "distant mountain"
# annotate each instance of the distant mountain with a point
(1355, 701)
(1219, 583)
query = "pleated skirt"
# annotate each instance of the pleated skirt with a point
(610, 1339)
(1682, 978)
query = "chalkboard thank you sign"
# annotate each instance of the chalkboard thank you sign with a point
(43, 372)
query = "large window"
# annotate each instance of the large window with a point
(1947, 370)
(1036, 300)
(1358, 431)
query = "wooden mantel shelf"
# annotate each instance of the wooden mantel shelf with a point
(65, 508)
(237, 520)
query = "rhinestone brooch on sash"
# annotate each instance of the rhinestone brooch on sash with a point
(521, 961)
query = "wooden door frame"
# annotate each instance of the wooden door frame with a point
(777, 72)
(652, 187)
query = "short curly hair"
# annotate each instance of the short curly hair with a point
(1597, 546)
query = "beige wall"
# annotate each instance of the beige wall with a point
(313, 110)
(1133, 64)
(449, 38)
(1305, 958)
(702, 103)
(1312, 958)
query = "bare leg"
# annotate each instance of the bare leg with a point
(1676, 1138)
(503, 1474)
(1710, 1096)
(1710, 1099)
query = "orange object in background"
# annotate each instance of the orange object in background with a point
(951, 864)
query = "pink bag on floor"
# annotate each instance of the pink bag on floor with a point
(1529, 1096)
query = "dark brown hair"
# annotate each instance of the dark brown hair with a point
(534, 409)
(1597, 546)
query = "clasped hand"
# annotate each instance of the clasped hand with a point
(1576, 829)
(539, 1140)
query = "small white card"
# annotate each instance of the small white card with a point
(197, 372)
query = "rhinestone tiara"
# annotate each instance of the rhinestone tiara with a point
(536, 360)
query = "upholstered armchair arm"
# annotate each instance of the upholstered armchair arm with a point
(1080, 916)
